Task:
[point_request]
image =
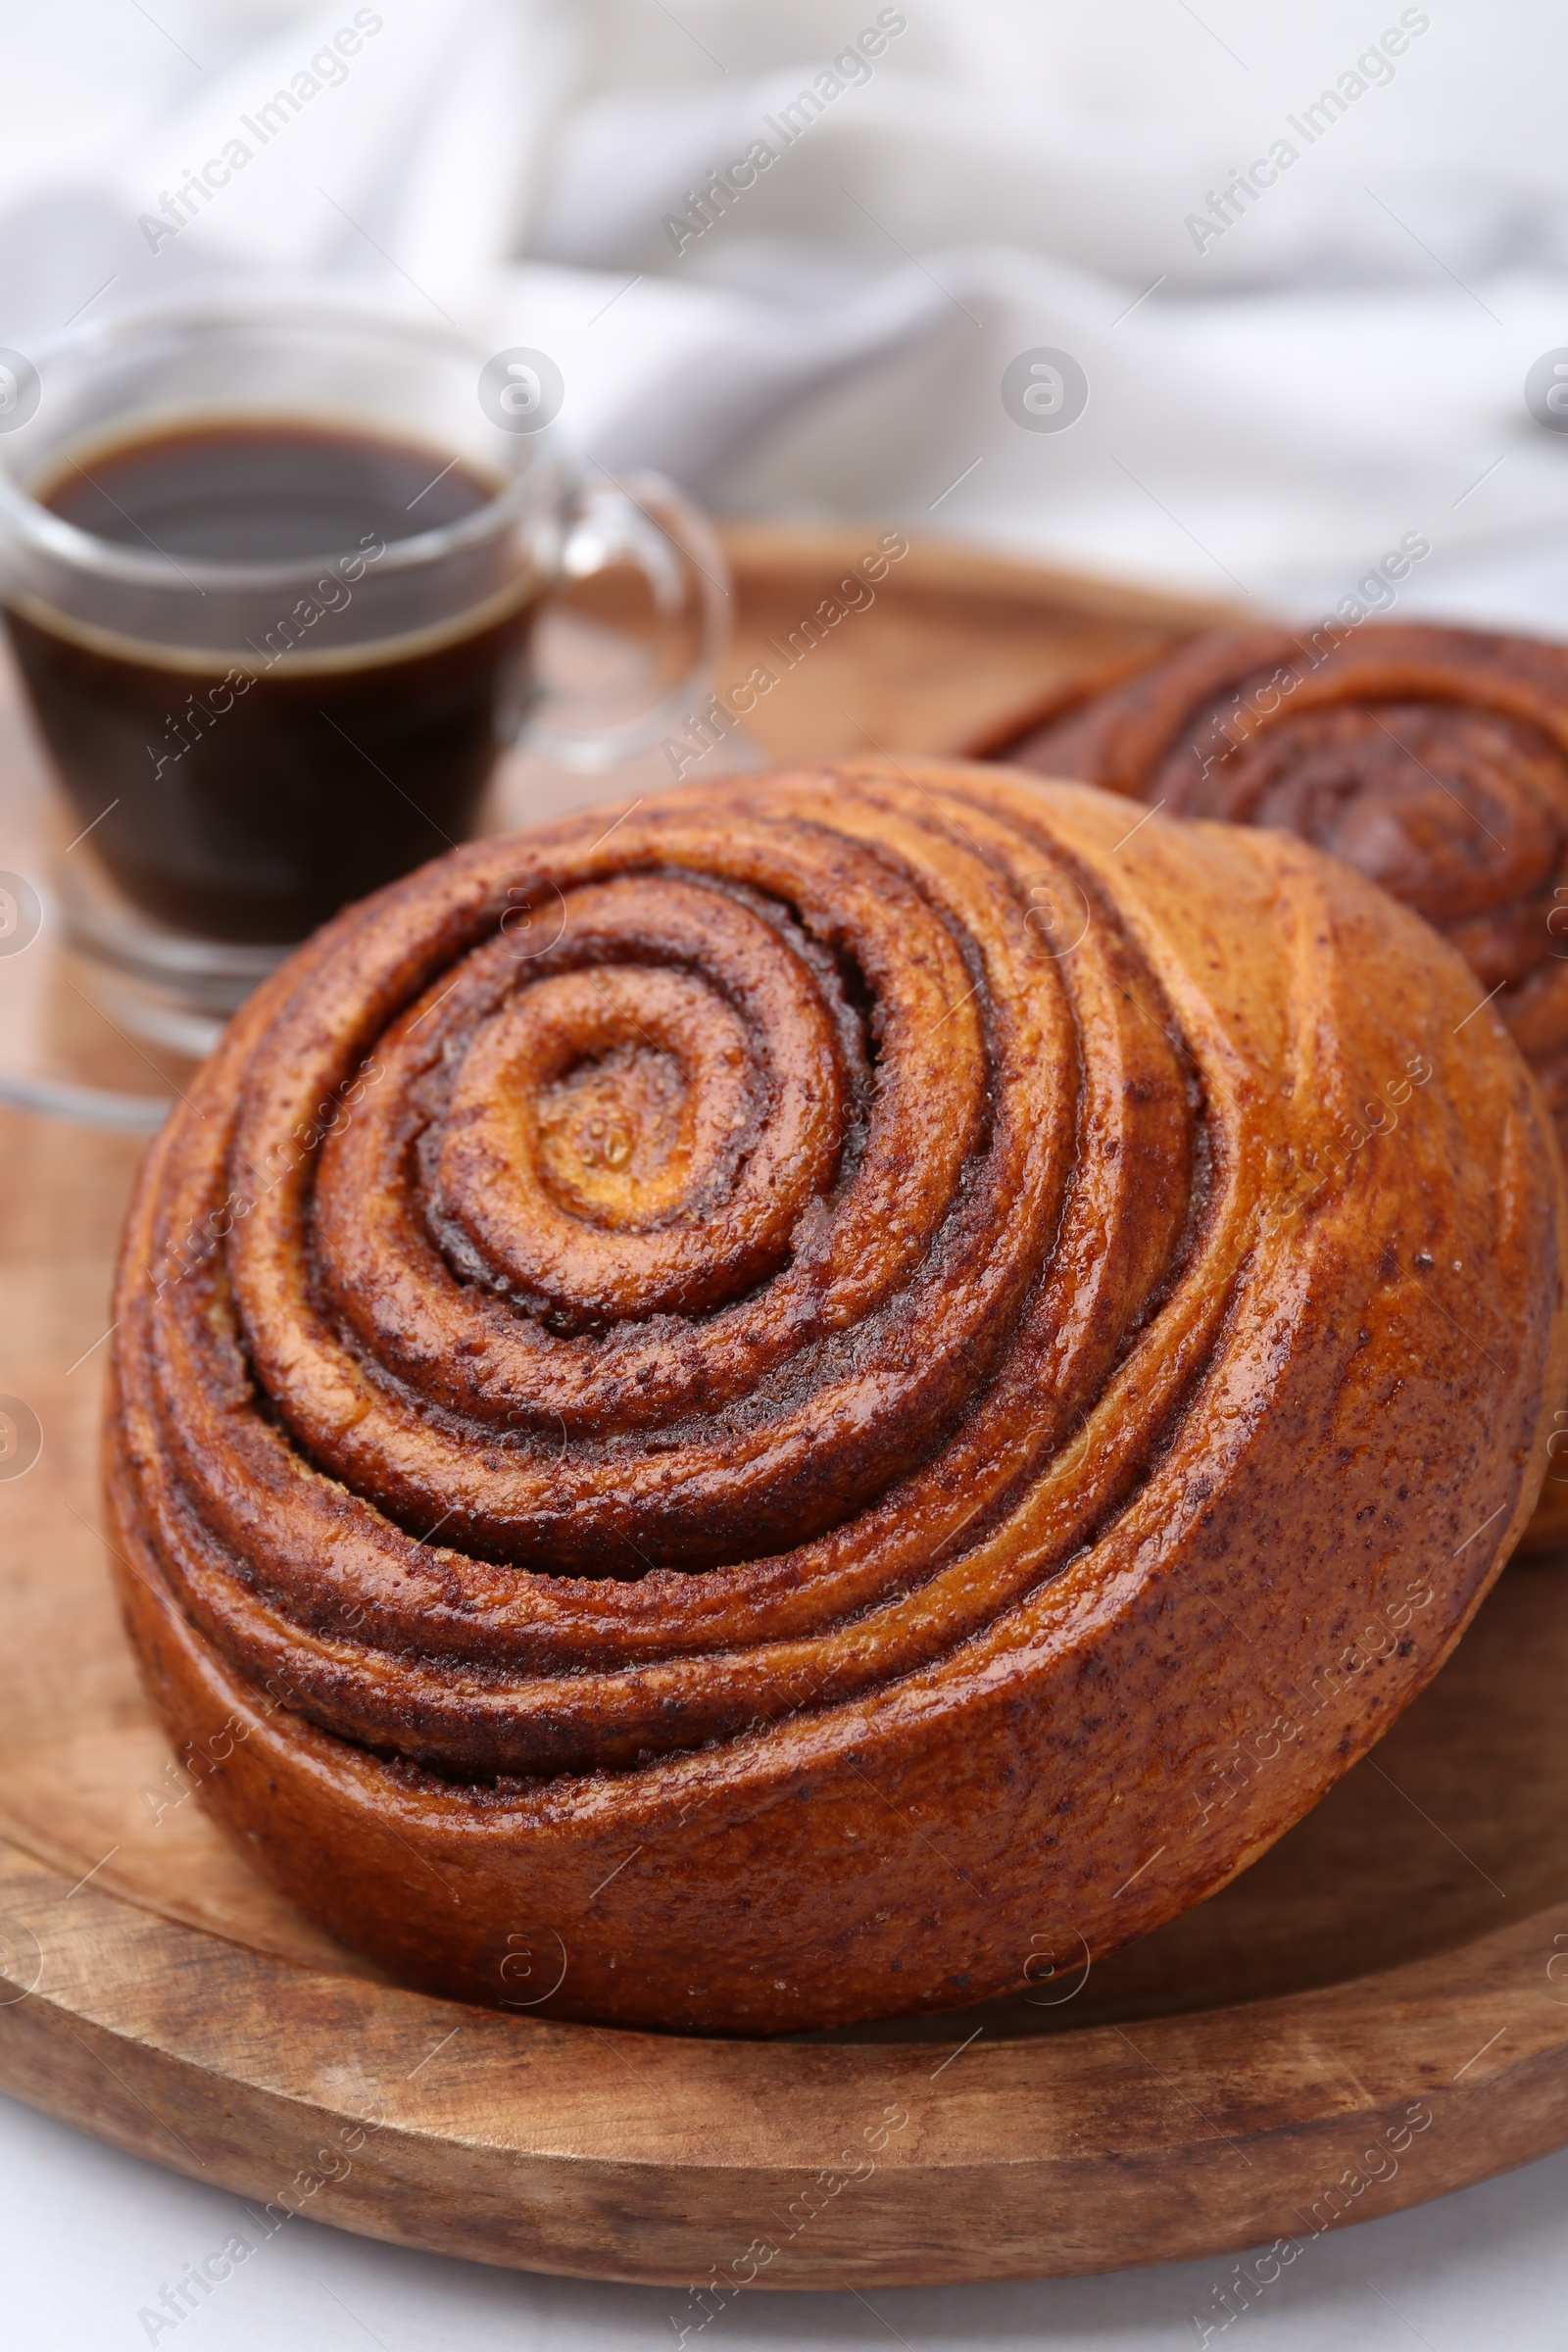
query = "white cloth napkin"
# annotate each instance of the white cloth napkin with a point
(1283, 381)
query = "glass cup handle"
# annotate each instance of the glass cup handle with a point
(642, 520)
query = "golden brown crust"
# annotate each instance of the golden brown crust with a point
(1435, 761)
(764, 1389)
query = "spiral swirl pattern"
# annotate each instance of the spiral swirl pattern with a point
(1435, 761)
(744, 1300)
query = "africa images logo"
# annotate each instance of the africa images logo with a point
(708, 204)
(325, 70)
(1372, 69)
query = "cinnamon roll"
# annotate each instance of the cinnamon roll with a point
(726, 1412)
(1435, 761)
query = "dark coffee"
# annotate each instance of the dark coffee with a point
(257, 790)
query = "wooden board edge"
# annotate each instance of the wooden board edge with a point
(651, 2159)
(785, 552)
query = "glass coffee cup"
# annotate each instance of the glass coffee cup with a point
(271, 571)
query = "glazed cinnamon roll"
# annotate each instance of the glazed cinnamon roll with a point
(726, 1412)
(1435, 761)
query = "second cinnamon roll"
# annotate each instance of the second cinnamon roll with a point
(1433, 760)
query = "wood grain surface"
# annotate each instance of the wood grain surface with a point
(1374, 2014)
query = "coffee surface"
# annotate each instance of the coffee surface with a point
(263, 492)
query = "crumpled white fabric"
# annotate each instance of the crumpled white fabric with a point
(1283, 383)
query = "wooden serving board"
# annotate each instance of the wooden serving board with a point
(1374, 2014)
